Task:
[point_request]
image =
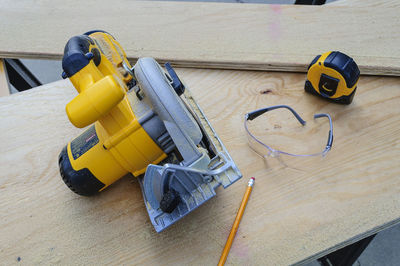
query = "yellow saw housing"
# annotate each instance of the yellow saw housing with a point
(116, 143)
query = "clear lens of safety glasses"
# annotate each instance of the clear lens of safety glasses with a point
(295, 160)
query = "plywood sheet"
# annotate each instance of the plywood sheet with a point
(292, 215)
(209, 35)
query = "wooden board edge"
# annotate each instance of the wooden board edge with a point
(233, 65)
(4, 87)
(349, 242)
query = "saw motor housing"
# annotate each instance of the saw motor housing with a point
(139, 118)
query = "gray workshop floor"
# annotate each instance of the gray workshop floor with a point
(383, 250)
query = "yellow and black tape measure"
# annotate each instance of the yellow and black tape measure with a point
(334, 76)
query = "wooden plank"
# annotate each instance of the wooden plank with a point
(292, 215)
(210, 35)
(4, 89)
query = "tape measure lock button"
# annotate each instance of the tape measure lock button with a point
(313, 61)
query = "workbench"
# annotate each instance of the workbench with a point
(292, 216)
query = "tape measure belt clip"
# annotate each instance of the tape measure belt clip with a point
(328, 85)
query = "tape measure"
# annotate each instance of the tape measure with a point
(334, 76)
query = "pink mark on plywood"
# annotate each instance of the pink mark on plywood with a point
(276, 8)
(239, 248)
(274, 30)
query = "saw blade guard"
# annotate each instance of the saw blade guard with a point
(173, 190)
(159, 94)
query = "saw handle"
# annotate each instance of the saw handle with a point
(99, 81)
(78, 52)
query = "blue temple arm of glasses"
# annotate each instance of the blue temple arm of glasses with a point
(330, 136)
(254, 114)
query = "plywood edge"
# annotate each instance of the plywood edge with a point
(4, 88)
(232, 65)
(363, 3)
(350, 241)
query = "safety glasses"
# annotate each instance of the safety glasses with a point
(265, 150)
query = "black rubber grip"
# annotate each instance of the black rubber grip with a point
(77, 55)
(345, 65)
(82, 182)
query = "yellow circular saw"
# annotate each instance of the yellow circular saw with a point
(142, 120)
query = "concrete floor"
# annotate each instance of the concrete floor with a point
(383, 250)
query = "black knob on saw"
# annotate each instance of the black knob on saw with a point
(176, 82)
(169, 201)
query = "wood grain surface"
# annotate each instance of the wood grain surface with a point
(292, 216)
(210, 35)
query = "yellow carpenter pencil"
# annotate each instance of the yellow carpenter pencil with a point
(235, 225)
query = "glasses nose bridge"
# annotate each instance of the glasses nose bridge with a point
(273, 153)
